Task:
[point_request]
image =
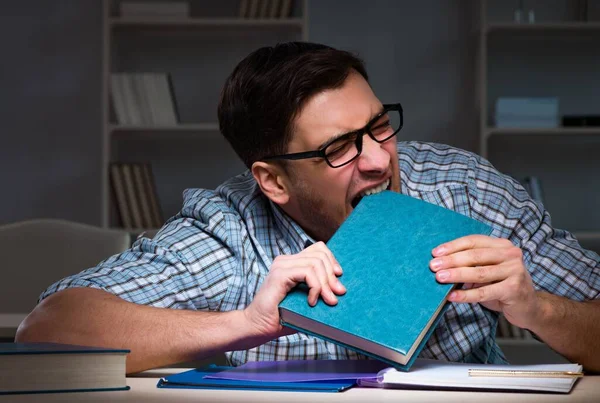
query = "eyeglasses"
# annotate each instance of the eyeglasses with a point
(346, 148)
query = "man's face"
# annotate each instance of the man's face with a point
(322, 197)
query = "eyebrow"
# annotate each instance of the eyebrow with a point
(340, 135)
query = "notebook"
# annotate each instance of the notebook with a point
(393, 301)
(197, 379)
(433, 374)
(50, 367)
(302, 371)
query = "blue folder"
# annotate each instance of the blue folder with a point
(194, 379)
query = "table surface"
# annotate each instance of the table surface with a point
(143, 389)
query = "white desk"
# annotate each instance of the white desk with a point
(143, 389)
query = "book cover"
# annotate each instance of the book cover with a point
(393, 301)
(198, 379)
(51, 367)
(302, 371)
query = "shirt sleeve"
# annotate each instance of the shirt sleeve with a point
(555, 260)
(187, 265)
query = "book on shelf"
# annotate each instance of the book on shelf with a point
(140, 9)
(265, 9)
(132, 196)
(135, 195)
(143, 99)
(286, 9)
(50, 367)
(120, 196)
(387, 236)
(533, 186)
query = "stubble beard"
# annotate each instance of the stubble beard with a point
(314, 216)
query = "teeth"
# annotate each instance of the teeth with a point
(377, 189)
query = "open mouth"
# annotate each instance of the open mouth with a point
(378, 189)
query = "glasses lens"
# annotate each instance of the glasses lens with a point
(387, 125)
(342, 150)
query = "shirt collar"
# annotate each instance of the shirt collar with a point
(293, 234)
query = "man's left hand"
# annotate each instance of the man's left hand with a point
(494, 275)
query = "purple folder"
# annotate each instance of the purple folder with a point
(302, 370)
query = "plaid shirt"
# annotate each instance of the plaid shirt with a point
(216, 252)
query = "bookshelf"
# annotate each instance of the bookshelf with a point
(554, 56)
(197, 49)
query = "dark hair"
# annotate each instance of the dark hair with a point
(267, 90)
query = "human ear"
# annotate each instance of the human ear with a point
(272, 180)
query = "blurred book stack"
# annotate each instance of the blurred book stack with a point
(135, 195)
(265, 9)
(527, 112)
(533, 186)
(143, 99)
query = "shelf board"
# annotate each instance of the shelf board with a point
(587, 235)
(184, 127)
(566, 131)
(117, 22)
(543, 27)
(507, 341)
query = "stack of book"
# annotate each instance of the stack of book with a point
(135, 194)
(143, 99)
(265, 9)
(50, 367)
(139, 9)
(527, 112)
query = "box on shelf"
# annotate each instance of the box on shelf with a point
(527, 112)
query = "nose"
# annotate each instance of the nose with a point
(374, 158)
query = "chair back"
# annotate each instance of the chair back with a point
(36, 253)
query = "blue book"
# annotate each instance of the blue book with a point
(51, 367)
(197, 379)
(393, 301)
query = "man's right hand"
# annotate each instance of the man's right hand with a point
(316, 266)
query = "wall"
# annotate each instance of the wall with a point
(418, 53)
(50, 112)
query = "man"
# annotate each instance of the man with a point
(316, 139)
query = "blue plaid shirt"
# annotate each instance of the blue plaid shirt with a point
(216, 252)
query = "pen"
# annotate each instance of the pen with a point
(524, 373)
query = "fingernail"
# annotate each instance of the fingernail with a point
(453, 295)
(339, 268)
(443, 275)
(436, 263)
(440, 250)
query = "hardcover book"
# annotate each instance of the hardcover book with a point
(393, 301)
(50, 367)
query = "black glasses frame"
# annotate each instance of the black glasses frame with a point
(320, 153)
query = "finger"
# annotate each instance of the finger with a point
(470, 242)
(472, 258)
(486, 293)
(332, 280)
(318, 267)
(474, 275)
(321, 246)
(307, 275)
